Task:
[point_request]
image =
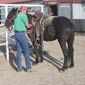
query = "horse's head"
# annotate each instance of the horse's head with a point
(10, 18)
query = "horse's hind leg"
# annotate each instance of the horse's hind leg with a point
(71, 51)
(62, 43)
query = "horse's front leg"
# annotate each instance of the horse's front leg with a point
(41, 49)
(38, 42)
(71, 51)
(39, 56)
(62, 43)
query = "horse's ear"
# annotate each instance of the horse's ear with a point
(13, 8)
(17, 8)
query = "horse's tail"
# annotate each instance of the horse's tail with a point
(72, 35)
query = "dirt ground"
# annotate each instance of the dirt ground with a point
(46, 73)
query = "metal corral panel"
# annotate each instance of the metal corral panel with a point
(64, 10)
(78, 11)
(79, 25)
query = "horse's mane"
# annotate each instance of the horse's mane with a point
(11, 16)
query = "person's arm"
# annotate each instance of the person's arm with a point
(28, 25)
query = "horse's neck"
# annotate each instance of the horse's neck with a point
(16, 15)
(29, 16)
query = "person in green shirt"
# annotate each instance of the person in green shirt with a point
(21, 24)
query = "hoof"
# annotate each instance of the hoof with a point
(37, 62)
(71, 66)
(41, 61)
(63, 69)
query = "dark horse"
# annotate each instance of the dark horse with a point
(62, 29)
(34, 34)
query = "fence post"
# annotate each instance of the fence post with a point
(7, 47)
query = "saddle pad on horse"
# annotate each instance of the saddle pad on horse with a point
(49, 20)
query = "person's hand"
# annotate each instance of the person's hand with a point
(33, 23)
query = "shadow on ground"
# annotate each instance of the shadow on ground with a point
(48, 58)
(54, 61)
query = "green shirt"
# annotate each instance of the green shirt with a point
(20, 21)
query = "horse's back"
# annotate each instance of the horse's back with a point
(62, 21)
(62, 24)
(58, 21)
(58, 27)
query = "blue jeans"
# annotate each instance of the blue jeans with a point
(22, 46)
